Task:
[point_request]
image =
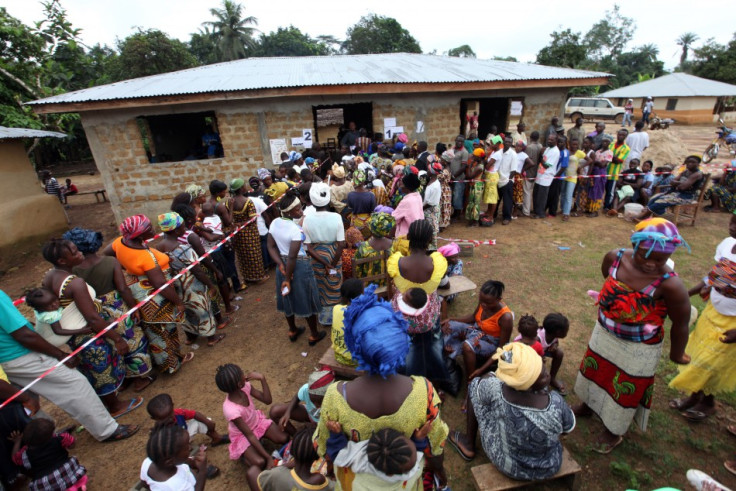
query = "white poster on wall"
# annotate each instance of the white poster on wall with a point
(516, 108)
(389, 122)
(278, 146)
(297, 142)
(420, 126)
(307, 137)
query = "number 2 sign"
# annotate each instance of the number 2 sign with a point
(307, 136)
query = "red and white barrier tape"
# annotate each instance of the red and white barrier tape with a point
(133, 309)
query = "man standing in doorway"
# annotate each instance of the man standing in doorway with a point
(421, 162)
(534, 151)
(457, 168)
(620, 153)
(472, 124)
(648, 108)
(545, 176)
(349, 138)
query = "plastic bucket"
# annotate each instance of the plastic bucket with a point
(632, 210)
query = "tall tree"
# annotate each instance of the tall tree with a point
(716, 61)
(566, 49)
(203, 46)
(379, 34)
(232, 31)
(686, 40)
(464, 51)
(149, 53)
(610, 35)
(289, 41)
(632, 66)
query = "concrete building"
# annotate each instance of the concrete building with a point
(26, 211)
(683, 97)
(258, 104)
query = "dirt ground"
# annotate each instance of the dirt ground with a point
(539, 277)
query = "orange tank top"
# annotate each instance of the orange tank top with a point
(490, 326)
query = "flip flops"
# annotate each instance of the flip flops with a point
(606, 448)
(320, 337)
(695, 415)
(217, 339)
(452, 438)
(187, 358)
(122, 432)
(134, 404)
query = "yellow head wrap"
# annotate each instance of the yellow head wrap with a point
(338, 171)
(519, 365)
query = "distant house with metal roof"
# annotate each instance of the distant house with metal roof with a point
(146, 134)
(681, 96)
(26, 211)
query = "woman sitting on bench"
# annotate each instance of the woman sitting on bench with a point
(519, 419)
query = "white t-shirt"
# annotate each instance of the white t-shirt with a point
(323, 227)
(433, 193)
(723, 304)
(261, 206)
(183, 480)
(637, 142)
(545, 175)
(508, 164)
(648, 106)
(496, 157)
(520, 159)
(284, 232)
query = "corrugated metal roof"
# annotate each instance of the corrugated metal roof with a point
(16, 133)
(270, 73)
(674, 85)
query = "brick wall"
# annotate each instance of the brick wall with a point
(441, 122)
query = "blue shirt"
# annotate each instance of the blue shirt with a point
(312, 410)
(10, 321)
(564, 159)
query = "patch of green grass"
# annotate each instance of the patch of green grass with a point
(628, 474)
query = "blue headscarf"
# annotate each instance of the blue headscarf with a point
(376, 334)
(87, 241)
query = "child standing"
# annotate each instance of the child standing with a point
(44, 456)
(528, 333)
(165, 467)
(349, 290)
(555, 326)
(310, 395)
(246, 424)
(301, 476)
(162, 411)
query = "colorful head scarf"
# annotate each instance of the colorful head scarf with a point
(87, 241)
(402, 138)
(449, 250)
(169, 221)
(353, 236)
(359, 177)
(263, 173)
(411, 169)
(398, 169)
(195, 191)
(375, 334)
(338, 171)
(519, 366)
(496, 140)
(436, 168)
(319, 381)
(479, 152)
(658, 235)
(236, 184)
(134, 226)
(381, 224)
(448, 155)
(294, 155)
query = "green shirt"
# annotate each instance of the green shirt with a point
(10, 321)
(619, 153)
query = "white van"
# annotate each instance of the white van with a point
(594, 108)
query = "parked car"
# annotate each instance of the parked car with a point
(593, 108)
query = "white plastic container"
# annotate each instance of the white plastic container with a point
(632, 210)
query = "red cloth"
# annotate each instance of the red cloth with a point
(186, 413)
(537, 346)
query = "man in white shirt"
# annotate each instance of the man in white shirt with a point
(545, 176)
(505, 185)
(638, 141)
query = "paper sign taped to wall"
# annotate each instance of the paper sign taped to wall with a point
(420, 126)
(389, 122)
(516, 108)
(297, 142)
(277, 147)
(390, 132)
(307, 137)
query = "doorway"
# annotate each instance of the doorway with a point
(493, 111)
(331, 121)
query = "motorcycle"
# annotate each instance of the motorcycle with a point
(727, 137)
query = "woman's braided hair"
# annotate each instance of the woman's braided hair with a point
(55, 249)
(302, 447)
(389, 451)
(420, 234)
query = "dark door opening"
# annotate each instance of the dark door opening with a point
(491, 112)
(331, 121)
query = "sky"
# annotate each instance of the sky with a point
(436, 25)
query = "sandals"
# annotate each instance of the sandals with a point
(453, 438)
(730, 466)
(320, 337)
(151, 379)
(187, 358)
(681, 404)
(212, 471)
(235, 308)
(695, 415)
(122, 432)
(293, 336)
(216, 340)
(606, 448)
(225, 323)
(134, 404)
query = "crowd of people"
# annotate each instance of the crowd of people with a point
(328, 234)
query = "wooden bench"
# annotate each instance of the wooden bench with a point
(385, 291)
(691, 211)
(100, 193)
(328, 360)
(488, 478)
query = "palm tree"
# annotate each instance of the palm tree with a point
(686, 41)
(231, 30)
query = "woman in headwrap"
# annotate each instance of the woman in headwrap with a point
(519, 419)
(376, 336)
(113, 297)
(147, 270)
(247, 242)
(616, 378)
(361, 203)
(102, 360)
(419, 269)
(198, 196)
(324, 236)
(382, 226)
(194, 286)
(597, 178)
(432, 198)
(273, 189)
(377, 187)
(339, 188)
(711, 346)
(296, 288)
(722, 195)
(474, 174)
(410, 208)
(445, 177)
